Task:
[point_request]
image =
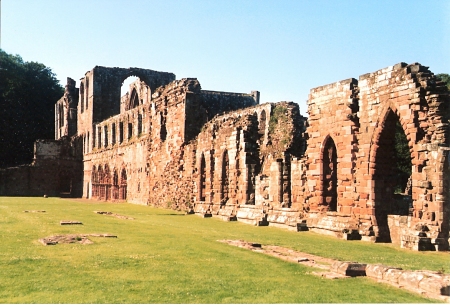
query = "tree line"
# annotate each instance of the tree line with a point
(28, 93)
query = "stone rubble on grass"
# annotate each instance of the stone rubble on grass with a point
(113, 214)
(72, 238)
(427, 283)
(34, 211)
(70, 222)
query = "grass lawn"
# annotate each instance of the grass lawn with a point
(163, 256)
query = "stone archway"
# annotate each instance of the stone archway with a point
(388, 180)
(107, 183)
(115, 186)
(133, 101)
(123, 185)
(65, 183)
(94, 182)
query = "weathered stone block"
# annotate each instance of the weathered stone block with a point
(349, 268)
(378, 271)
(410, 279)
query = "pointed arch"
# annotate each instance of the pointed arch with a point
(123, 185)
(133, 102)
(388, 179)
(100, 182)
(100, 174)
(329, 173)
(94, 181)
(115, 185)
(389, 109)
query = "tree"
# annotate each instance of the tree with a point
(28, 93)
(445, 78)
(402, 158)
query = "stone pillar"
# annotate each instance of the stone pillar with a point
(276, 183)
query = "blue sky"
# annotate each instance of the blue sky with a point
(281, 48)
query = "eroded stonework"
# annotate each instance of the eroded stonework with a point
(170, 143)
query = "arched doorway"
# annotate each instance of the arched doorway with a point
(115, 187)
(329, 175)
(65, 183)
(391, 173)
(107, 183)
(95, 181)
(100, 183)
(123, 185)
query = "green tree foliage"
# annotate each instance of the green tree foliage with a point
(402, 158)
(402, 153)
(445, 78)
(28, 93)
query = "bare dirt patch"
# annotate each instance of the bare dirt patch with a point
(72, 239)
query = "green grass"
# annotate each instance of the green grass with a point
(163, 256)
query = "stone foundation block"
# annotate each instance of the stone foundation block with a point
(410, 279)
(392, 275)
(302, 226)
(227, 213)
(353, 235)
(203, 210)
(378, 271)
(252, 215)
(349, 268)
(436, 284)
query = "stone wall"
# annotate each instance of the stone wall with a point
(170, 143)
(145, 141)
(55, 171)
(350, 156)
(66, 111)
(218, 102)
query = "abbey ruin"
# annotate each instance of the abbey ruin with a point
(170, 143)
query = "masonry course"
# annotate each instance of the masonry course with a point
(170, 143)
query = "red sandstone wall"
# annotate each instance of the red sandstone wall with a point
(359, 116)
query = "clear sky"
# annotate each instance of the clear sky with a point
(281, 48)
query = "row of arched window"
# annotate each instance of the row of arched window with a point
(109, 135)
(225, 177)
(107, 186)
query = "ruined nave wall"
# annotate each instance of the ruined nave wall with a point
(350, 156)
(243, 161)
(145, 141)
(421, 103)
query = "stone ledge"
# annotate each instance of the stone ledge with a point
(427, 281)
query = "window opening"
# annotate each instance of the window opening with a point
(225, 178)
(113, 133)
(330, 175)
(121, 132)
(202, 178)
